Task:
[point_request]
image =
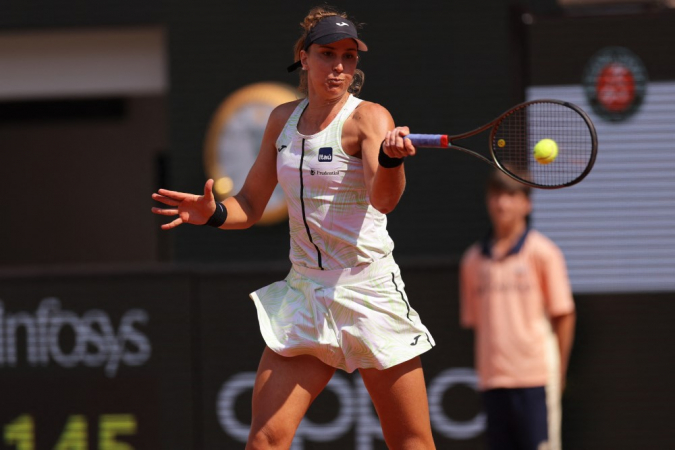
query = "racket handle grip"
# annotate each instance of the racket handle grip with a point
(429, 140)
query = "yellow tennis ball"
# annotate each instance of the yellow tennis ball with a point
(545, 151)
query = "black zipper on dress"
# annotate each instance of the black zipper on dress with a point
(302, 202)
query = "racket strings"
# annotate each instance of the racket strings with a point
(516, 135)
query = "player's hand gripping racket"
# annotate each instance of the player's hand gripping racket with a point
(515, 134)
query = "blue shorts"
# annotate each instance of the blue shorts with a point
(516, 418)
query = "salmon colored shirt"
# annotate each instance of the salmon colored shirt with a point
(509, 303)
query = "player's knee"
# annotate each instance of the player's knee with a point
(268, 437)
(411, 442)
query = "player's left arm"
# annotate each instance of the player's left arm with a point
(376, 127)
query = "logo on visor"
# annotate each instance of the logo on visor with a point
(326, 154)
(342, 24)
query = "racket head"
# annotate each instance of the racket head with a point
(516, 132)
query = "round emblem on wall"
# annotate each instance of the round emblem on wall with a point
(615, 82)
(233, 140)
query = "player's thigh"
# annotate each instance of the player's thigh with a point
(400, 398)
(284, 389)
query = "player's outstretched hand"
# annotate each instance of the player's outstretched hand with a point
(190, 208)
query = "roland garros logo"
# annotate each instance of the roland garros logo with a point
(615, 82)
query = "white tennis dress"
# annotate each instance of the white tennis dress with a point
(343, 300)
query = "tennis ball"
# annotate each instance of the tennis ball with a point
(545, 151)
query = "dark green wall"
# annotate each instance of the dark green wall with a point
(438, 67)
(650, 35)
(18, 14)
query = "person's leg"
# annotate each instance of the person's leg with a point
(499, 433)
(284, 389)
(530, 407)
(554, 410)
(400, 399)
(553, 392)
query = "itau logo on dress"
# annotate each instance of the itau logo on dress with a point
(326, 154)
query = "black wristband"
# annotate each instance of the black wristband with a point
(218, 217)
(387, 161)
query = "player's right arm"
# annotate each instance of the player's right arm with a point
(247, 206)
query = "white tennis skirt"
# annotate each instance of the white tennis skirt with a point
(348, 318)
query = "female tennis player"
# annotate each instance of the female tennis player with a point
(343, 306)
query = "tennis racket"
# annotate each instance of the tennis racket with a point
(514, 134)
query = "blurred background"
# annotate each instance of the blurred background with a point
(117, 335)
